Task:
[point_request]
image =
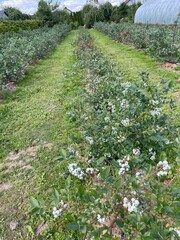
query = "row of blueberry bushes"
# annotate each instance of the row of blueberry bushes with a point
(126, 168)
(159, 41)
(19, 50)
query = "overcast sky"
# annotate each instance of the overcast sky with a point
(30, 6)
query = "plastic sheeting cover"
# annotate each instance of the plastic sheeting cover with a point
(158, 12)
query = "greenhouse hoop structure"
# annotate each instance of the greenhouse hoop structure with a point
(158, 12)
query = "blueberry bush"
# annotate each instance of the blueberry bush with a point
(19, 50)
(126, 168)
(160, 41)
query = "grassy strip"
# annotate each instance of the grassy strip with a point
(31, 117)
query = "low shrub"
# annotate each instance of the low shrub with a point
(128, 170)
(22, 49)
(160, 41)
(17, 26)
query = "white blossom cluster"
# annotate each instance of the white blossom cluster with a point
(126, 87)
(76, 171)
(165, 167)
(154, 102)
(106, 119)
(131, 205)
(124, 104)
(90, 140)
(121, 139)
(136, 151)
(152, 154)
(111, 107)
(108, 155)
(114, 131)
(100, 219)
(124, 165)
(89, 170)
(156, 112)
(125, 122)
(160, 129)
(57, 212)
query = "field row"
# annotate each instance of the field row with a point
(19, 50)
(159, 41)
(125, 168)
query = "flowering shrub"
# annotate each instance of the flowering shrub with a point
(158, 41)
(127, 172)
(19, 50)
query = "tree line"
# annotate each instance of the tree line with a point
(49, 13)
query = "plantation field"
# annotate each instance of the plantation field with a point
(89, 139)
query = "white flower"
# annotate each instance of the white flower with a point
(136, 151)
(165, 167)
(121, 139)
(114, 130)
(131, 205)
(126, 85)
(124, 104)
(76, 171)
(156, 112)
(154, 102)
(152, 154)
(90, 170)
(107, 155)
(125, 122)
(106, 119)
(100, 219)
(111, 107)
(124, 165)
(57, 212)
(90, 140)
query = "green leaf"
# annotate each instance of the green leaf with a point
(58, 158)
(105, 173)
(68, 182)
(83, 229)
(81, 191)
(56, 194)
(73, 226)
(64, 153)
(34, 202)
(100, 161)
(30, 229)
(119, 223)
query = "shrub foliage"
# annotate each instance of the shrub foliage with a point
(127, 170)
(157, 40)
(17, 26)
(19, 50)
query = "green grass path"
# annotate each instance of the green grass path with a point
(130, 61)
(33, 116)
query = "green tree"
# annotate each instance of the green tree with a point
(16, 14)
(105, 12)
(60, 16)
(132, 10)
(44, 12)
(123, 10)
(89, 15)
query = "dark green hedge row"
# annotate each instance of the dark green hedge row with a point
(16, 26)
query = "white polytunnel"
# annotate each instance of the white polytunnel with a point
(158, 12)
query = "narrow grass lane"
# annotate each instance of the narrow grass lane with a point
(33, 129)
